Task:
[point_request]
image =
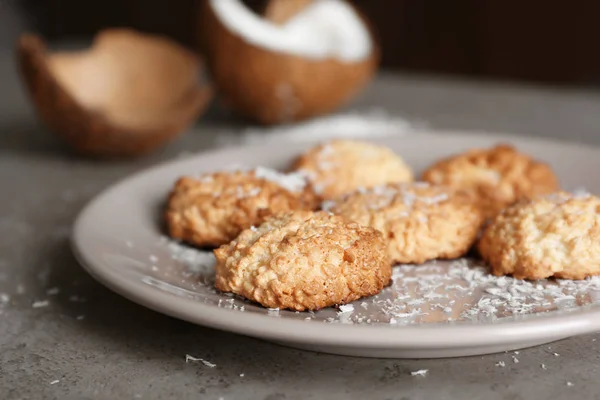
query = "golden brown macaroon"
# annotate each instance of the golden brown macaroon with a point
(496, 177)
(342, 166)
(304, 261)
(421, 221)
(556, 235)
(215, 208)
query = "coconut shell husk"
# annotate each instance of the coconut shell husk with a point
(127, 95)
(273, 88)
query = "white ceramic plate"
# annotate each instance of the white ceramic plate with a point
(443, 309)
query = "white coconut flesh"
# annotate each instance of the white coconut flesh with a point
(324, 29)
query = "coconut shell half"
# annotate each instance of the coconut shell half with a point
(273, 87)
(127, 95)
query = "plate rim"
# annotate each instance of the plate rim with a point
(545, 326)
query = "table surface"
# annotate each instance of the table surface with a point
(89, 343)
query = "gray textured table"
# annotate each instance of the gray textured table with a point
(89, 343)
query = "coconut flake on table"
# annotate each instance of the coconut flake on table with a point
(324, 29)
(366, 124)
(40, 304)
(189, 358)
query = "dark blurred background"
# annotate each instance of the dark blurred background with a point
(536, 41)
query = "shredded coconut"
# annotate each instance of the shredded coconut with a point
(274, 312)
(370, 124)
(189, 358)
(464, 290)
(54, 382)
(195, 260)
(40, 304)
(294, 182)
(500, 364)
(421, 372)
(53, 291)
(346, 308)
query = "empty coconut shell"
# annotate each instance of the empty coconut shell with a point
(274, 87)
(125, 96)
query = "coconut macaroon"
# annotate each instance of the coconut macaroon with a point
(214, 208)
(342, 166)
(552, 236)
(304, 261)
(495, 177)
(420, 221)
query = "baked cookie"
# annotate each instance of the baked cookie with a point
(215, 208)
(496, 177)
(556, 235)
(342, 166)
(420, 221)
(304, 261)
